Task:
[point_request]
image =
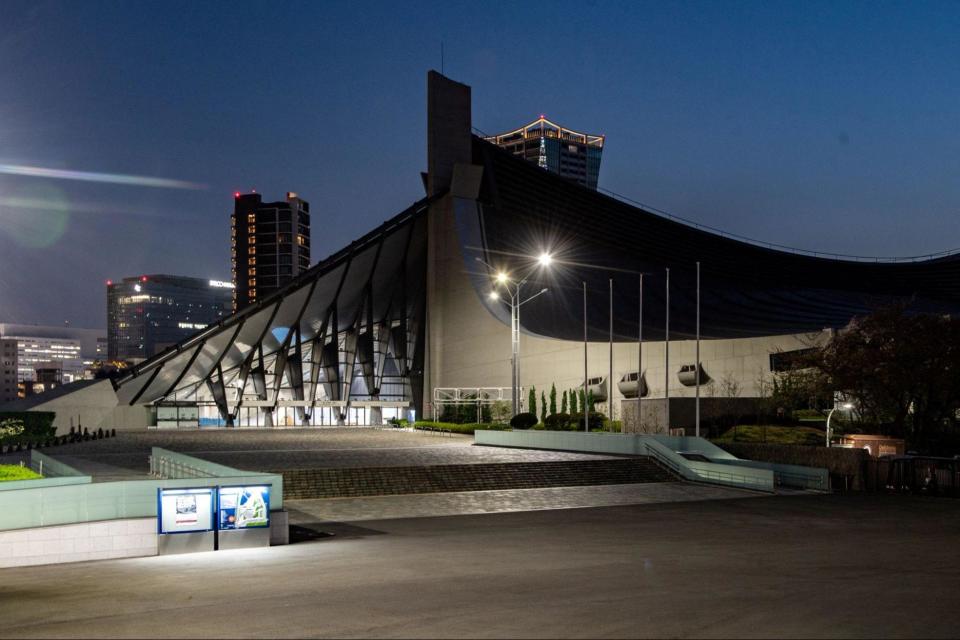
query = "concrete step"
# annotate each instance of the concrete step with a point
(380, 481)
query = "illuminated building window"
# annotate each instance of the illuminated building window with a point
(252, 240)
(252, 271)
(251, 218)
(251, 261)
(252, 282)
(252, 229)
(252, 250)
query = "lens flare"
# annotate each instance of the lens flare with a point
(91, 176)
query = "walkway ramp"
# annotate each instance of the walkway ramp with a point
(693, 459)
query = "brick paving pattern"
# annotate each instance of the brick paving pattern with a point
(310, 513)
(335, 483)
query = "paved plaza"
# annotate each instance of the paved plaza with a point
(315, 513)
(806, 566)
(125, 456)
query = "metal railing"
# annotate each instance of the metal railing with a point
(705, 472)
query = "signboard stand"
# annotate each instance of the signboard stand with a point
(185, 520)
(243, 517)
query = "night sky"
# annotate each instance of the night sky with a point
(826, 126)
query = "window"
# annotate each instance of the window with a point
(788, 360)
(252, 228)
(252, 251)
(252, 282)
(251, 261)
(251, 218)
(252, 271)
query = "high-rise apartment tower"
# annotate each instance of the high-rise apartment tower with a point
(269, 245)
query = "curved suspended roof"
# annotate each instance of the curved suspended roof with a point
(747, 290)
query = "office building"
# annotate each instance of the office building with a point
(73, 348)
(269, 245)
(8, 370)
(147, 314)
(569, 153)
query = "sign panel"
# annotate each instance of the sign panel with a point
(243, 507)
(185, 510)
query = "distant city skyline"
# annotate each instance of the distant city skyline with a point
(125, 129)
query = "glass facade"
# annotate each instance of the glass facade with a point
(147, 314)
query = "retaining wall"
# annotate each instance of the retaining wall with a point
(107, 539)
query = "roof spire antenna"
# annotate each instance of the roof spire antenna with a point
(441, 58)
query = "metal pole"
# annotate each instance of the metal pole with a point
(829, 415)
(697, 412)
(610, 372)
(586, 423)
(515, 351)
(640, 354)
(666, 358)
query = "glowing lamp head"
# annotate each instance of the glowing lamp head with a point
(847, 406)
(236, 194)
(109, 282)
(494, 295)
(545, 259)
(143, 278)
(501, 277)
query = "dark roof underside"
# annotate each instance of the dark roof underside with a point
(746, 290)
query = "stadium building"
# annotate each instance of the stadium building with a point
(401, 322)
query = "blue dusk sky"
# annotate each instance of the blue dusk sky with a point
(829, 126)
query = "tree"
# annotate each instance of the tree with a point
(583, 400)
(543, 407)
(573, 401)
(500, 411)
(590, 401)
(553, 399)
(563, 402)
(532, 401)
(901, 371)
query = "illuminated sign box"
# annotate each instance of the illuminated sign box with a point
(185, 510)
(243, 507)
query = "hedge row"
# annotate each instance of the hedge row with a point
(428, 425)
(25, 444)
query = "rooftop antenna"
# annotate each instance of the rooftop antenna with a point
(441, 58)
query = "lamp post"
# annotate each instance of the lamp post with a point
(514, 300)
(846, 407)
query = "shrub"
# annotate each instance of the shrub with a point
(558, 422)
(523, 420)
(595, 420)
(428, 425)
(36, 426)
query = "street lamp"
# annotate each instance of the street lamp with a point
(846, 406)
(515, 300)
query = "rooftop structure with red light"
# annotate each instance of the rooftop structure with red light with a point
(570, 153)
